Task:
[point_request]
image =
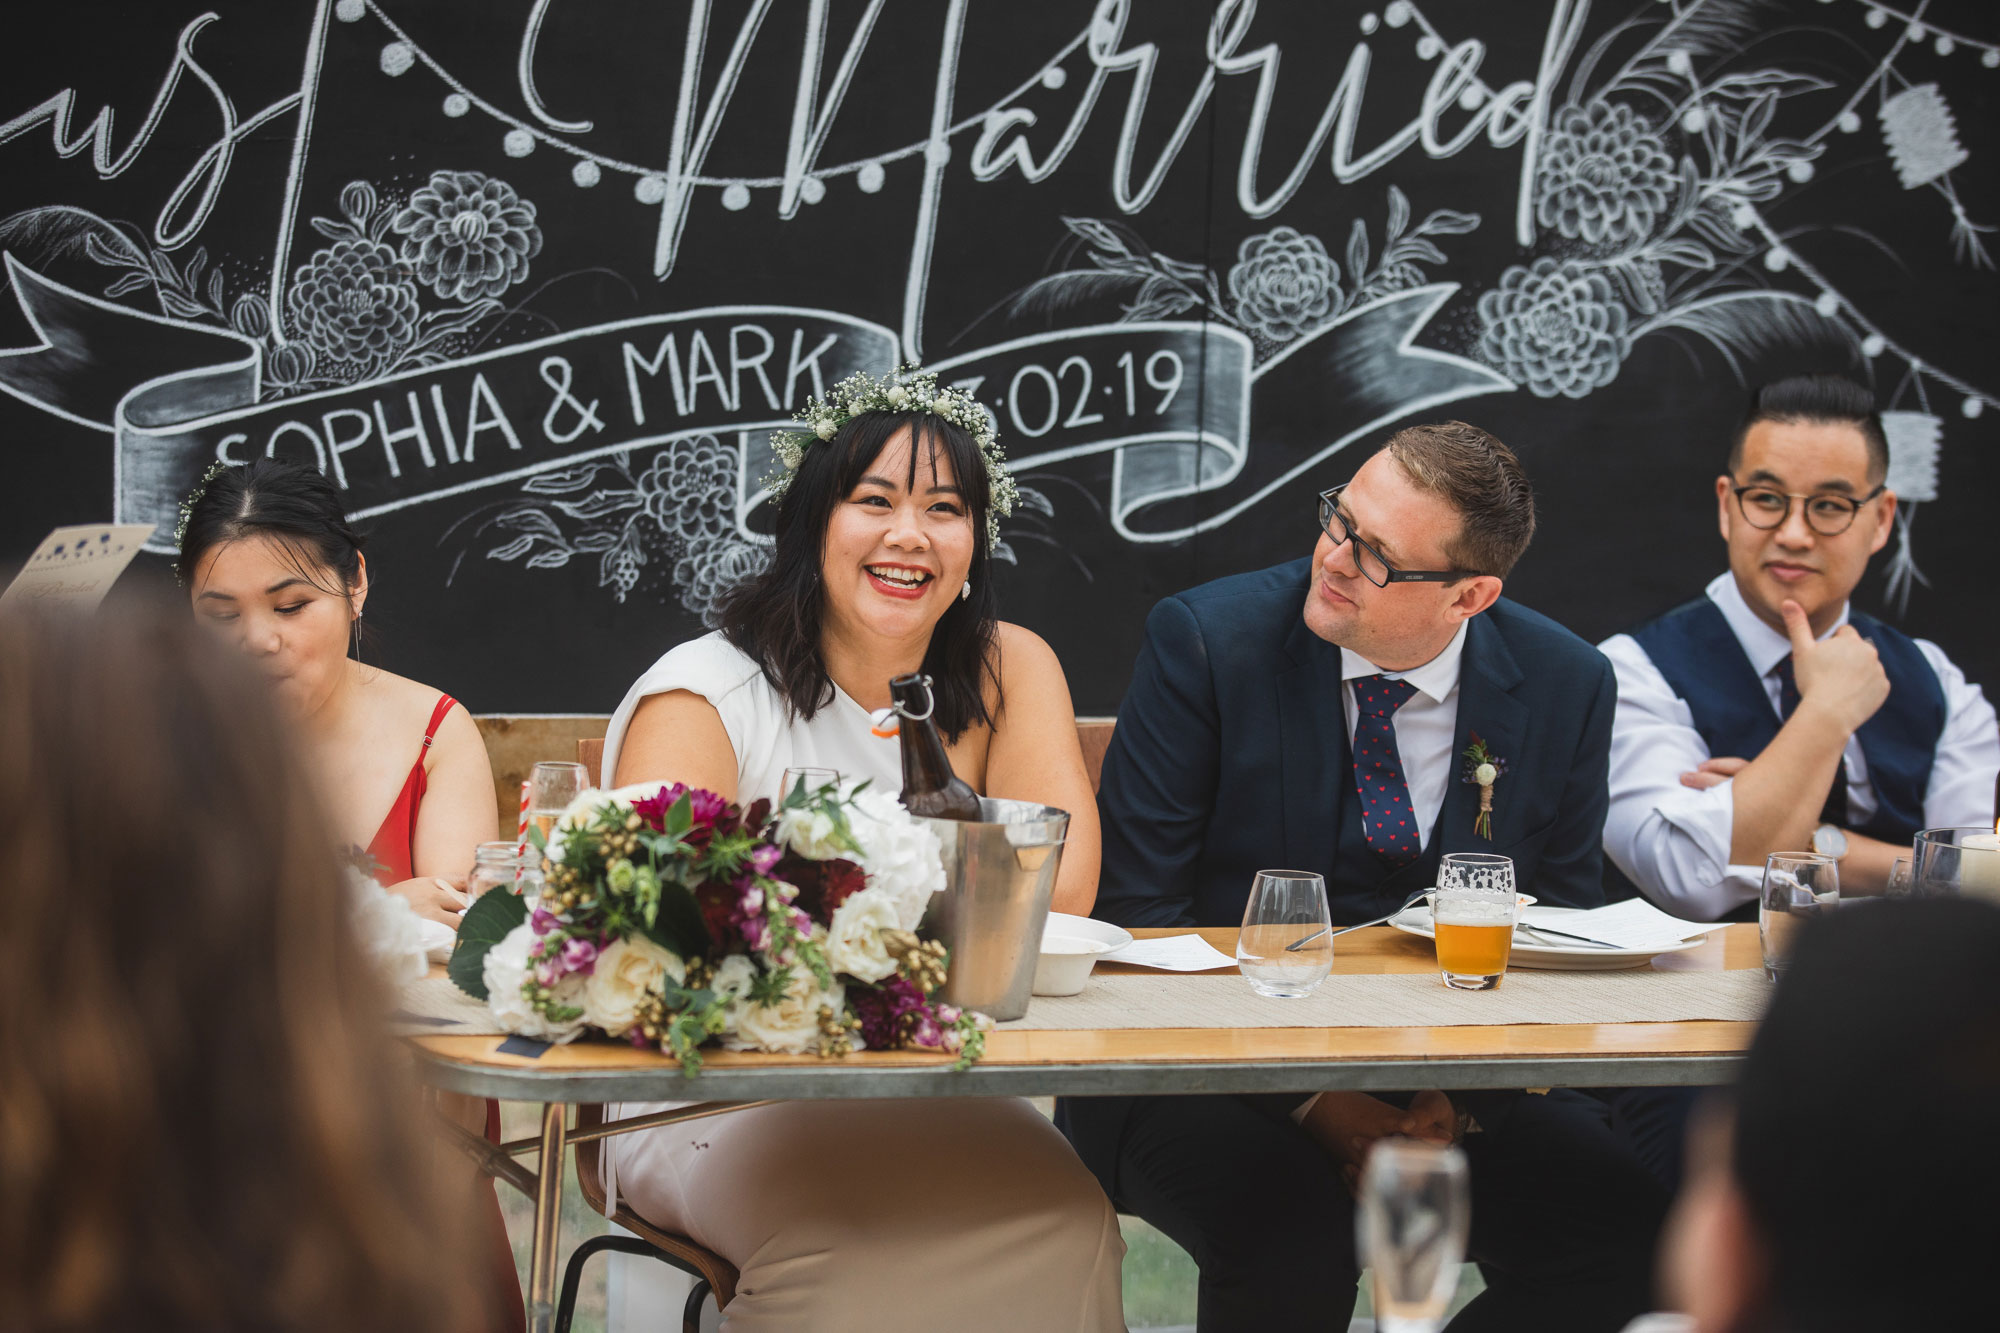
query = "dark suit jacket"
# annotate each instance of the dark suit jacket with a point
(1232, 741)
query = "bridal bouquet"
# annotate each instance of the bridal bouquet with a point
(671, 918)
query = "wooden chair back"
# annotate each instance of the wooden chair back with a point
(590, 753)
(514, 745)
(720, 1274)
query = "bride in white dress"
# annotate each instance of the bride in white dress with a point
(967, 1213)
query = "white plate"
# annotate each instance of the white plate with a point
(1087, 928)
(1552, 957)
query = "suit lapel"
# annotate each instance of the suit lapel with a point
(1487, 676)
(1313, 749)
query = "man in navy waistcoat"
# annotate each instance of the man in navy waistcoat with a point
(1317, 716)
(1768, 715)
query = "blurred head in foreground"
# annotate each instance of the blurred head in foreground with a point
(1842, 1190)
(200, 1123)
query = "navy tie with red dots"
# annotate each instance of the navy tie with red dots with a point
(1387, 817)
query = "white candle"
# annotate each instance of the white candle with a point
(1979, 865)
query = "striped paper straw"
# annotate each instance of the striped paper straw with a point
(521, 834)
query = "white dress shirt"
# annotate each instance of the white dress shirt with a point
(1426, 725)
(1673, 841)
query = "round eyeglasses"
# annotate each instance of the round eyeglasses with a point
(1369, 560)
(1828, 514)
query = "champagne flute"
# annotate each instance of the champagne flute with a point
(1415, 1209)
(1285, 908)
(552, 785)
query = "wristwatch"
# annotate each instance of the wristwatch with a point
(1828, 840)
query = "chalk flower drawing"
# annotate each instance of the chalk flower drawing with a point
(679, 510)
(1554, 328)
(468, 235)
(1284, 283)
(351, 303)
(1604, 176)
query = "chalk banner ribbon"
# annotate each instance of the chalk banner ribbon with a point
(1170, 400)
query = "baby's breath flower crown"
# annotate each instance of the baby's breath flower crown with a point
(907, 390)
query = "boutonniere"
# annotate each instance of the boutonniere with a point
(1483, 767)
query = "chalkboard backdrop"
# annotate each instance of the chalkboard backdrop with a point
(533, 280)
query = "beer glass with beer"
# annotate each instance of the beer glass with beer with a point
(1473, 916)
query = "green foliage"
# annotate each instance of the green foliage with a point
(488, 921)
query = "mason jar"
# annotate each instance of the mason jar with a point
(512, 866)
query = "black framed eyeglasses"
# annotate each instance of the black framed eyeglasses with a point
(1827, 514)
(1369, 560)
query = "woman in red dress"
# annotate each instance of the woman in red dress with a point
(271, 565)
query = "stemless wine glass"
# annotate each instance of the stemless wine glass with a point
(552, 785)
(1415, 1211)
(814, 778)
(1797, 885)
(1900, 881)
(1285, 906)
(1473, 918)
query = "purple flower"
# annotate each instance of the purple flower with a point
(545, 921)
(579, 956)
(765, 858)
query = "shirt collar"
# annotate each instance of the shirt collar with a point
(1435, 679)
(1764, 646)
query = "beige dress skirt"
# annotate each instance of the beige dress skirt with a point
(969, 1214)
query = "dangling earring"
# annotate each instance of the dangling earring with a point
(357, 636)
(965, 592)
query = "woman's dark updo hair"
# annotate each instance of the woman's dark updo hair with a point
(295, 505)
(776, 618)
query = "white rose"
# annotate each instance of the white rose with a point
(1485, 774)
(626, 973)
(809, 833)
(733, 976)
(854, 943)
(901, 856)
(506, 968)
(790, 1026)
(898, 395)
(389, 930)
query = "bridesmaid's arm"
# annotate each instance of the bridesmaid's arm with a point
(1034, 756)
(457, 812)
(678, 737)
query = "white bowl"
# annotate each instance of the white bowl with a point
(1071, 946)
(1065, 963)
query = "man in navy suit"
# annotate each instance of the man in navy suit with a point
(1316, 715)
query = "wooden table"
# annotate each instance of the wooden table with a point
(1098, 1063)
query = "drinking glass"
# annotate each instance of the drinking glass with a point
(1415, 1210)
(814, 778)
(1473, 914)
(1797, 885)
(551, 787)
(1284, 907)
(1900, 883)
(1957, 860)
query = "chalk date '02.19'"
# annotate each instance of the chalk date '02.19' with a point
(930, 787)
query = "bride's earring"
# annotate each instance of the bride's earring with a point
(357, 636)
(965, 591)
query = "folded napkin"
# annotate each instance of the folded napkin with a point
(1633, 924)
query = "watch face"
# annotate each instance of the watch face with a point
(1829, 841)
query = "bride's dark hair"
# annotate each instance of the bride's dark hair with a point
(776, 618)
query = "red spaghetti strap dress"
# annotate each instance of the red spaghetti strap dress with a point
(395, 861)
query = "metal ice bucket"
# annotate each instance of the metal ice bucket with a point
(998, 875)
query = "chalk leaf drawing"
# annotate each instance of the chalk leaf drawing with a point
(1605, 176)
(676, 510)
(1283, 285)
(468, 235)
(1555, 328)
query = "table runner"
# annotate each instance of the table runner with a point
(1403, 1000)
(433, 1007)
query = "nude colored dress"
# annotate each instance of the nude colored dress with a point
(968, 1214)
